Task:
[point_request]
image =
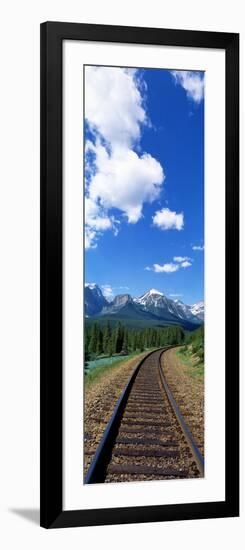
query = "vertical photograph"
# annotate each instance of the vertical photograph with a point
(143, 294)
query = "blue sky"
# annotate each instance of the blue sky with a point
(144, 189)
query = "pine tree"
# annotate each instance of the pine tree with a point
(99, 344)
(141, 342)
(86, 344)
(118, 338)
(134, 341)
(106, 337)
(93, 340)
(125, 342)
(110, 347)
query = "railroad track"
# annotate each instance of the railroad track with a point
(146, 437)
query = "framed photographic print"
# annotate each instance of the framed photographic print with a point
(139, 274)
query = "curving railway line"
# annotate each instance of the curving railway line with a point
(147, 437)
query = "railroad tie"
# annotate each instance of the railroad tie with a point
(146, 452)
(137, 469)
(145, 441)
(138, 430)
(148, 423)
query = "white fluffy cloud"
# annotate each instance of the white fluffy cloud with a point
(117, 176)
(123, 180)
(186, 264)
(94, 216)
(96, 221)
(178, 263)
(167, 219)
(90, 238)
(165, 268)
(192, 82)
(113, 104)
(181, 259)
(197, 247)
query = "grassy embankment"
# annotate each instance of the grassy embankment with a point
(192, 354)
(193, 366)
(95, 374)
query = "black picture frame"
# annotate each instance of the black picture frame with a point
(52, 36)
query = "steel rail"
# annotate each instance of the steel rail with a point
(181, 421)
(97, 470)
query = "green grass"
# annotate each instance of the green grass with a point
(193, 370)
(96, 373)
(103, 361)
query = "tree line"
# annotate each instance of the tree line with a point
(107, 340)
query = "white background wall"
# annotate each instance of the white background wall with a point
(19, 271)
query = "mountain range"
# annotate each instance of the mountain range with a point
(153, 308)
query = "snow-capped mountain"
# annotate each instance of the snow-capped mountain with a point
(152, 305)
(94, 301)
(158, 304)
(198, 310)
(183, 310)
(151, 297)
